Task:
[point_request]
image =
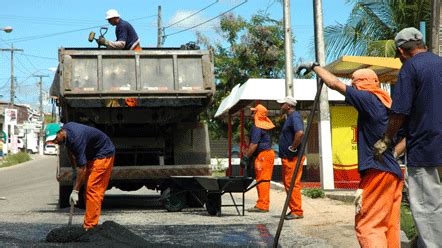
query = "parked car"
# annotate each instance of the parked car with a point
(50, 149)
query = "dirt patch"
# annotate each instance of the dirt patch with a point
(109, 234)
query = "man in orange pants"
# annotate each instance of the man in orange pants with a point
(378, 198)
(289, 141)
(261, 144)
(91, 151)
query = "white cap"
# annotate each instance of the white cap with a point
(50, 138)
(289, 100)
(111, 14)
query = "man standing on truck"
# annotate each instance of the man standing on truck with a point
(127, 38)
(92, 154)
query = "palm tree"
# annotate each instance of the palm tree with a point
(372, 25)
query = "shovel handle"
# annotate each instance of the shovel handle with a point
(71, 212)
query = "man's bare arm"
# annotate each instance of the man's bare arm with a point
(330, 80)
(297, 138)
(251, 150)
(394, 124)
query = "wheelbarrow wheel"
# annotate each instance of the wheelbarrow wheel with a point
(173, 201)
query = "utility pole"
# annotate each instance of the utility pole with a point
(40, 144)
(40, 84)
(159, 27)
(325, 153)
(435, 28)
(288, 50)
(12, 50)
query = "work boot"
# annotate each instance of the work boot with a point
(257, 210)
(291, 216)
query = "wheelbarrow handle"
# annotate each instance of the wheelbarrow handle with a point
(256, 184)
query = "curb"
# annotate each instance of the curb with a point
(344, 195)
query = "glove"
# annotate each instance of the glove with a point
(73, 199)
(380, 147)
(244, 161)
(358, 201)
(307, 66)
(292, 149)
(101, 41)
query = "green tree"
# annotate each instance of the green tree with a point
(250, 49)
(372, 25)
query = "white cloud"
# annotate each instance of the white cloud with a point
(191, 21)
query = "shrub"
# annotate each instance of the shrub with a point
(313, 193)
(14, 159)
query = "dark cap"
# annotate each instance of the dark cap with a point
(406, 35)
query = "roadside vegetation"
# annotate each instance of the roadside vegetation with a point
(14, 159)
(407, 223)
(219, 173)
(313, 193)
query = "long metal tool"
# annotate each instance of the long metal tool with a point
(298, 162)
(71, 212)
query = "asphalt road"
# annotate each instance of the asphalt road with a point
(29, 211)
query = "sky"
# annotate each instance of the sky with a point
(40, 27)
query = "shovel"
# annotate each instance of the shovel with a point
(71, 212)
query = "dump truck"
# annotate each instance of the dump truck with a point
(148, 102)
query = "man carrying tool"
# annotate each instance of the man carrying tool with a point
(378, 198)
(127, 38)
(261, 144)
(416, 105)
(92, 155)
(289, 141)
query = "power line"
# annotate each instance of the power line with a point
(187, 17)
(35, 56)
(164, 36)
(35, 37)
(47, 19)
(23, 66)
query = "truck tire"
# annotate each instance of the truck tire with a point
(63, 196)
(173, 201)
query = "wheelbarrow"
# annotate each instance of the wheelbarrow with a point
(210, 187)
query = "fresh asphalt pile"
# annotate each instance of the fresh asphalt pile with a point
(109, 234)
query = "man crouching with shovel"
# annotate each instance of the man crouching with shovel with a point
(92, 154)
(378, 198)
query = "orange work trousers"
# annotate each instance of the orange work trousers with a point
(98, 173)
(137, 48)
(263, 171)
(377, 220)
(288, 168)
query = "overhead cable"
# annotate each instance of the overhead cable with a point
(211, 19)
(35, 37)
(187, 17)
(36, 56)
